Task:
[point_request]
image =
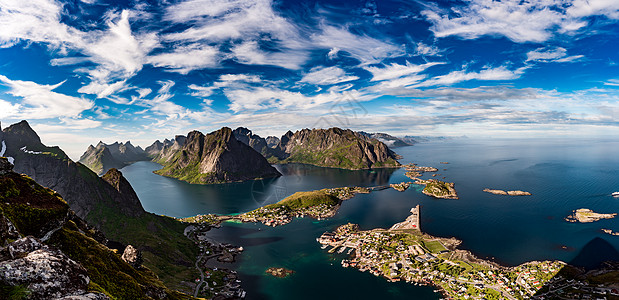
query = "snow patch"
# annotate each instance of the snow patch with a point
(28, 151)
(10, 159)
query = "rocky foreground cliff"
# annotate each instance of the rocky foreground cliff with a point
(48, 252)
(214, 158)
(109, 203)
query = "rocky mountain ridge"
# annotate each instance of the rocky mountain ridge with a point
(107, 156)
(214, 158)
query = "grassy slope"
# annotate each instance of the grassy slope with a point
(300, 200)
(165, 248)
(31, 208)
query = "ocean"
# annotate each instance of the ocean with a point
(562, 174)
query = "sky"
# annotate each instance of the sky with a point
(91, 70)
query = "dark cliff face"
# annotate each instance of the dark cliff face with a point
(47, 249)
(117, 155)
(214, 158)
(258, 143)
(50, 167)
(335, 148)
(272, 141)
(154, 149)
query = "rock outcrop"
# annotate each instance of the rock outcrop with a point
(215, 158)
(336, 148)
(132, 256)
(117, 155)
(585, 215)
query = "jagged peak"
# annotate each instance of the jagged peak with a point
(24, 130)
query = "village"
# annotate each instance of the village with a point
(403, 253)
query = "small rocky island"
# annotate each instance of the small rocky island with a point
(609, 231)
(507, 193)
(279, 272)
(434, 188)
(585, 215)
(400, 187)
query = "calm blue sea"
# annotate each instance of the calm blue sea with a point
(563, 175)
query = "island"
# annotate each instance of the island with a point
(400, 187)
(510, 193)
(438, 189)
(585, 215)
(279, 272)
(609, 231)
(404, 253)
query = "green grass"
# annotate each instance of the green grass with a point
(164, 247)
(434, 246)
(13, 292)
(301, 200)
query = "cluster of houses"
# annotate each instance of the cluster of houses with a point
(281, 215)
(388, 254)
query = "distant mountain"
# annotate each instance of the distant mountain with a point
(52, 253)
(389, 140)
(258, 143)
(335, 148)
(166, 149)
(214, 158)
(117, 155)
(272, 141)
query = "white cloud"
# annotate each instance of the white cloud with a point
(395, 70)
(8, 109)
(201, 91)
(41, 102)
(558, 54)
(184, 59)
(520, 21)
(165, 86)
(333, 53)
(327, 76)
(73, 123)
(250, 53)
(426, 50)
(612, 82)
(498, 73)
(366, 49)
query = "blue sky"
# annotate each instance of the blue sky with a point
(90, 70)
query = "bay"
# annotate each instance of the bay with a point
(563, 175)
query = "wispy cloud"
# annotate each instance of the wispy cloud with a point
(327, 76)
(558, 54)
(39, 101)
(520, 21)
(395, 70)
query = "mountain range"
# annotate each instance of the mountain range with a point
(108, 203)
(107, 156)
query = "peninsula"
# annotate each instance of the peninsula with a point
(585, 215)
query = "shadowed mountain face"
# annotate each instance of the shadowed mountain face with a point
(53, 253)
(258, 143)
(52, 168)
(117, 155)
(214, 158)
(335, 148)
(594, 253)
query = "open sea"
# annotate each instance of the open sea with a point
(562, 175)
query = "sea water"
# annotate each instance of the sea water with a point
(562, 175)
